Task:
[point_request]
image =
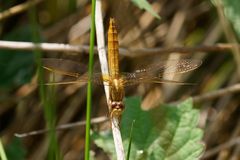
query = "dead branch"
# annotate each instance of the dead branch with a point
(128, 52)
(17, 9)
(62, 127)
(217, 149)
(217, 93)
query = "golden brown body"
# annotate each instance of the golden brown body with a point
(115, 79)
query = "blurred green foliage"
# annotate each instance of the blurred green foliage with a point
(232, 12)
(15, 150)
(143, 4)
(164, 133)
(16, 67)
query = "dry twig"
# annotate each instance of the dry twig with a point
(62, 127)
(217, 93)
(128, 52)
(18, 9)
(52, 47)
(223, 146)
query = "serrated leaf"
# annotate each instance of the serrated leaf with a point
(232, 12)
(163, 133)
(141, 130)
(143, 4)
(104, 140)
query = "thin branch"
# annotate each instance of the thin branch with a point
(2, 152)
(127, 52)
(217, 93)
(221, 47)
(104, 66)
(223, 146)
(53, 47)
(18, 9)
(62, 127)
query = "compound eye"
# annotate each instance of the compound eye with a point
(114, 105)
(120, 105)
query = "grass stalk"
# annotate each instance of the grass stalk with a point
(89, 87)
(130, 141)
(48, 100)
(2, 152)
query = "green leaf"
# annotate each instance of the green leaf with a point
(143, 4)
(164, 133)
(232, 12)
(104, 140)
(142, 135)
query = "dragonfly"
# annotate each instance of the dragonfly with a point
(117, 80)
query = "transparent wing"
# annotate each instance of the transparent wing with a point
(150, 79)
(154, 74)
(170, 67)
(97, 78)
(72, 71)
(64, 65)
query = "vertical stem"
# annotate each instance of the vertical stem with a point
(2, 152)
(46, 100)
(101, 45)
(104, 67)
(117, 138)
(89, 87)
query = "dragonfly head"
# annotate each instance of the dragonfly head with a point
(116, 108)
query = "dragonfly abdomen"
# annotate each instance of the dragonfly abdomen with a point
(113, 52)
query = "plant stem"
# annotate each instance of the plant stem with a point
(127, 52)
(2, 152)
(46, 100)
(104, 67)
(89, 87)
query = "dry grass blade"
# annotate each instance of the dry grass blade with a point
(127, 52)
(18, 9)
(63, 127)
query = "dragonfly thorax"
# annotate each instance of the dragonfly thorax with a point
(116, 97)
(116, 89)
